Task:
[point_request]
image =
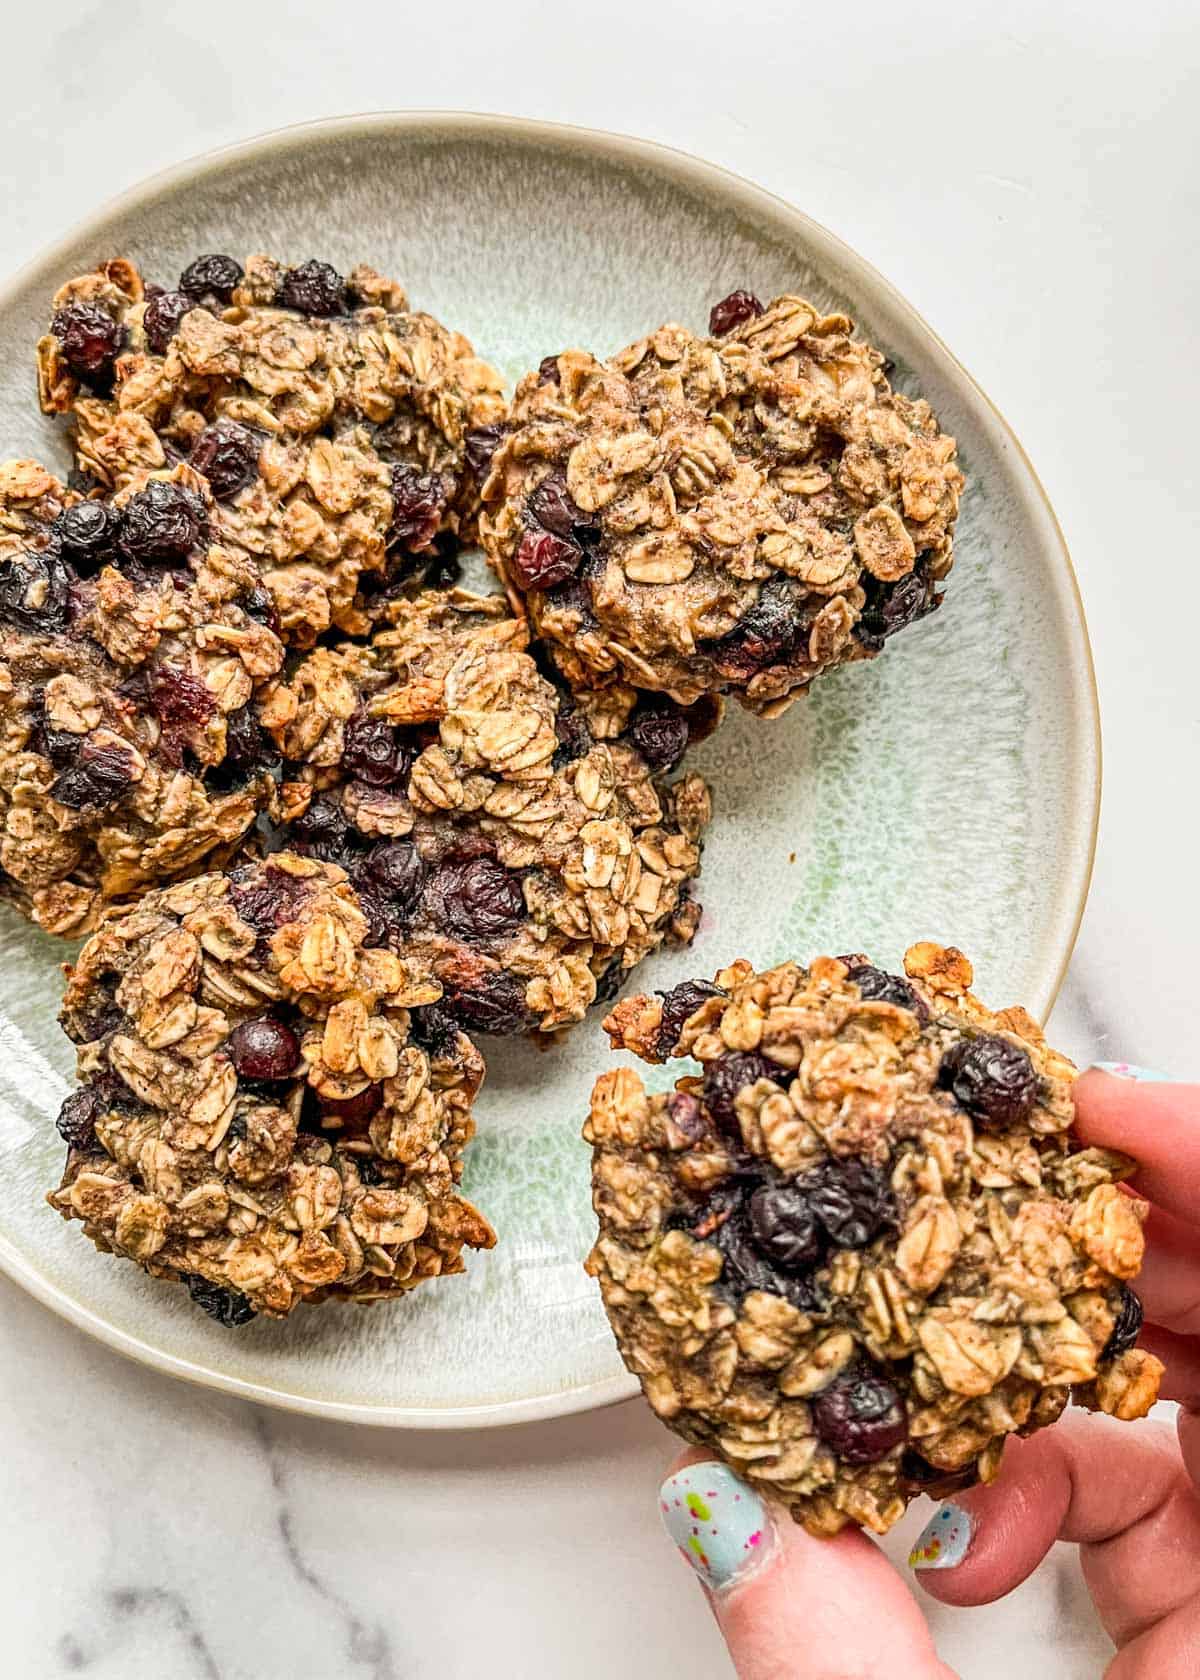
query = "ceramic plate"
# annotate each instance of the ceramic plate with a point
(946, 790)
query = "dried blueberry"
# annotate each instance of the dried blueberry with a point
(475, 898)
(493, 1003)
(375, 751)
(574, 736)
(992, 1078)
(77, 1118)
(1125, 1331)
(35, 590)
(659, 731)
(785, 1226)
(213, 276)
(552, 506)
(919, 1476)
(678, 1004)
(745, 1268)
(880, 987)
(87, 532)
(398, 871)
(767, 632)
(323, 832)
(90, 340)
(479, 446)
(247, 746)
(733, 311)
(731, 1073)
(258, 605)
(163, 522)
(543, 560)
(851, 1200)
(314, 288)
(419, 501)
(228, 1306)
(891, 606)
(860, 1416)
(434, 1030)
(226, 454)
(263, 1049)
(97, 779)
(162, 317)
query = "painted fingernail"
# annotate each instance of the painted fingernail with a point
(1130, 1070)
(720, 1525)
(943, 1542)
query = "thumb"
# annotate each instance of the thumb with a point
(790, 1606)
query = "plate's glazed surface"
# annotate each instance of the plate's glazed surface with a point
(946, 790)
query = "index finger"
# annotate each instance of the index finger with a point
(1159, 1125)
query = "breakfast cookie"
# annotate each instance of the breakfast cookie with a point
(333, 424)
(130, 648)
(527, 851)
(268, 1110)
(862, 1248)
(731, 514)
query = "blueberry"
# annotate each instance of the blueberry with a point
(992, 1078)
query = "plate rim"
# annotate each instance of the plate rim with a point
(700, 172)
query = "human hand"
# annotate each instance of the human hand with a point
(792, 1607)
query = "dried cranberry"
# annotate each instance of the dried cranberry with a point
(323, 832)
(892, 606)
(90, 340)
(212, 275)
(229, 1307)
(226, 454)
(731, 1073)
(548, 371)
(851, 1200)
(479, 446)
(86, 532)
(315, 288)
(880, 987)
(550, 503)
(182, 702)
(1125, 1331)
(733, 311)
(162, 317)
(542, 560)
(397, 870)
(265, 898)
(419, 501)
(860, 1417)
(785, 1226)
(35, 590)
(677, 1005)
(475, 898)
(97, 779)
(263, 1049)
(353, 1113)
(375, 751)
(77, 1118)
(992, 1078)
(494, 1003)
(574, 736)
(163, 522)
(659, 731)
(766, 632)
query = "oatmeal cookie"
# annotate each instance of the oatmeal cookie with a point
(333, 424)
(527, 851)
(130, 648)
(731, 514)
(863, 1247)
(268, 1110)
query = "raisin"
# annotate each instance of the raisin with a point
(475, 898)
(263, 1049)
(479, 446)
(494, 1003)
(162, 317)
(228, 1306)
(315, 288)
(785, 1226)
(97, 779)
(659, 731)
(226, 454)
(77, 1118)
(880, 987)
(35, 590)
(87, 532)
(90, 341)
(397, 870)
(354, 1113)
(992, 1078)
(731, 1073)
(851, 1199)
(860, 1416)
(213, 276)
(677, 1005)
(163, 522)
(548, 373)
(543, 560)
(1125, 1331)
(733, 311)
(375, 751)
(419, 501)
(552, 506)
(766, 632)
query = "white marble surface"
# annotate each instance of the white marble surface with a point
(1026, 175)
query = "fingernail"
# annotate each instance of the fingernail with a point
(1130, 1070)
(720, 1525)
(943, 1542)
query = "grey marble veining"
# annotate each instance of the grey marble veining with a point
(1045, 225)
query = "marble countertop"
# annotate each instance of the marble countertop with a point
(1026, 178)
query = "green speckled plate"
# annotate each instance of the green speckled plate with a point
(946, 790)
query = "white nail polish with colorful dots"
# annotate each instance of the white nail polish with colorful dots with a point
(720, 1525)
(943, 1542)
